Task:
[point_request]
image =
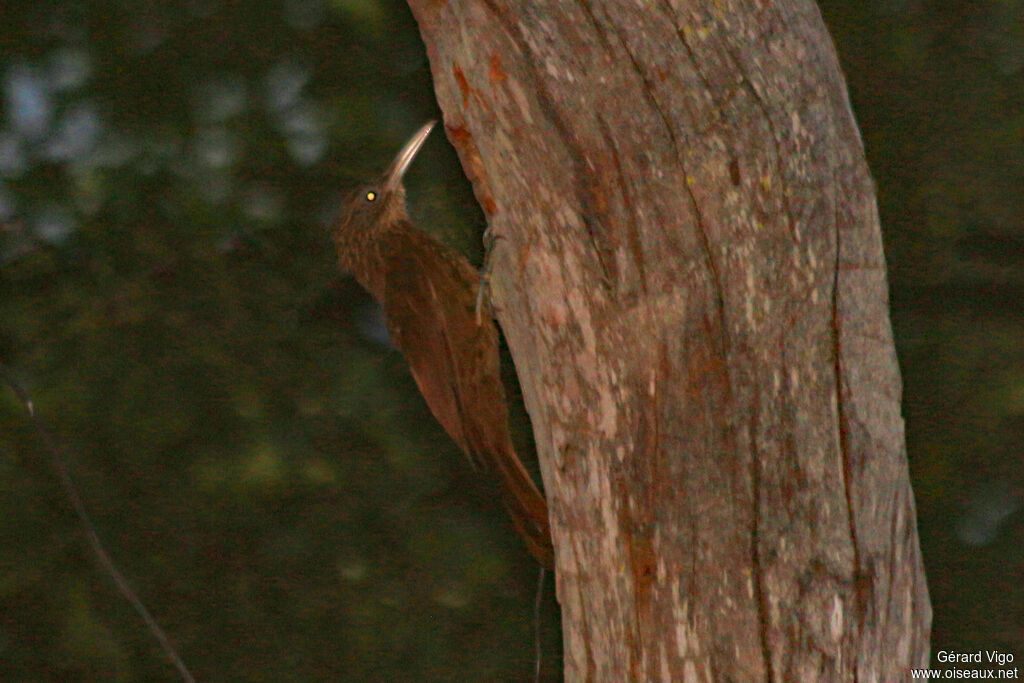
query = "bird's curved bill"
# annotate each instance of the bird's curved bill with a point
(403, 160)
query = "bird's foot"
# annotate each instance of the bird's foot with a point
(483, 293)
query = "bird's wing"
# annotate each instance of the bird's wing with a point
(430, 303)
(420, 323)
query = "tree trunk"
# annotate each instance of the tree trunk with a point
(690, 276)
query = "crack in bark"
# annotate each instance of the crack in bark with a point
(649, 434)
(759, 578)
(585, 4)
(635, 244)
(693, 57)
(581, 189)
(760, 103)
(844, 445)
(591, 664)
(648, 92)
(719, 104)
(891, 572)
(701, 228)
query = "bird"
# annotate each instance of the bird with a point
(429, 295)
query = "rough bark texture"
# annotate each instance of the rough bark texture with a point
(690, 275)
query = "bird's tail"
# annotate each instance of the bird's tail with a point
(525, 503)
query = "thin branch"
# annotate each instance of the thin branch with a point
(59, 463)
(536, 625)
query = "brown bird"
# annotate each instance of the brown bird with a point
(429, 295)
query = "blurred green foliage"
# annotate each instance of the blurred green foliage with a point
(258, 459)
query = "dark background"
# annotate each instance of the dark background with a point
(257, 458)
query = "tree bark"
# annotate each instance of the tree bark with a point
(690, 276)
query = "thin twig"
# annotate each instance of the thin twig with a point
(60, 466)
(536, 624)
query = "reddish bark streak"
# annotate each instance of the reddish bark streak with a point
(496, 73)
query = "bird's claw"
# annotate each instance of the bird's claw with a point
(484, 291)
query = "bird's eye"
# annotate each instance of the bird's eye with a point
(370, 196)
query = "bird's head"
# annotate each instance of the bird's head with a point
(379, 203)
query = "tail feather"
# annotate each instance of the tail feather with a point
(525, 504)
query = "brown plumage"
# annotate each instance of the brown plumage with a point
(428, 292)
